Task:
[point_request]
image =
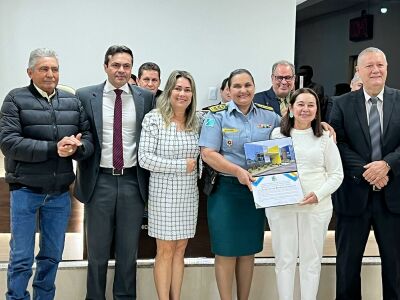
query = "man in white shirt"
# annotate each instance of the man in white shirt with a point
(367, 125)
(111, 183)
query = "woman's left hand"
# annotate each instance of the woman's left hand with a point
(310, 198)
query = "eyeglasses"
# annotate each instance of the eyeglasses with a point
(280, 78)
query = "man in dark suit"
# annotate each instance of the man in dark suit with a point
(111, 184)
(278, 96)
(367, 124)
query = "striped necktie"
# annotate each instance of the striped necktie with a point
(118, 151)
(375, 130)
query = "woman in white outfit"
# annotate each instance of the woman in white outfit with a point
(299, 230)
(169, 148)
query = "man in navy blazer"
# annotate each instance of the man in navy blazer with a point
(278, 96)
(370, 192)
(114, 197)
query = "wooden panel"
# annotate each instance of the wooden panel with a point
(75, 223)
(4, 207)
(199, 246)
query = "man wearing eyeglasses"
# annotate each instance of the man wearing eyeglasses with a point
(278, 96)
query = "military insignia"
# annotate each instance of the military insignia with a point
(218, 107)
(209, 122)
(229, 143)
(264, 107)
(264, 125)
(230, 130)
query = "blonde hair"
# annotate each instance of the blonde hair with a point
(164, 102)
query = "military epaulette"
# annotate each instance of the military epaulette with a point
(264, 106)
(218, 107)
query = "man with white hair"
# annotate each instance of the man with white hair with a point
(367, 124)
(42, 129)
(356, 82)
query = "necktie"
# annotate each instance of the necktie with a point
(283, 106)
(375, 130)
(118, 153)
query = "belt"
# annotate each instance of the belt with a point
(115, 172)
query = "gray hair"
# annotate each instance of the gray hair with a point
(40, 53)
(370, 50)
(356, 77)
(284, 63)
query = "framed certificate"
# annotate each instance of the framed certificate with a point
(273, 163)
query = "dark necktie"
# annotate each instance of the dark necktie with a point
(375, 130)
(118, 151)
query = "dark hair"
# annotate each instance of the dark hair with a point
(114, 50)
(224, 84)
(306, 70)
(149, 66)
(287, 123)
(133, 76)
(238, 72)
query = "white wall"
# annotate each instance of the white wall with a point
(324, 44)
(207, 38)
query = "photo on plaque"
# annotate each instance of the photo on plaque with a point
(273, 163)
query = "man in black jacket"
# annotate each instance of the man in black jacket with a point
(41, 130)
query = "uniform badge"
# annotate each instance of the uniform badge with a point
(229, 143)
(218, 107)
(209, 122)
(264, 106)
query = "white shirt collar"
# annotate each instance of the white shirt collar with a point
(108, 87)
(43, 93)
(367, 97)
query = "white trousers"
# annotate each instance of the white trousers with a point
(298, 234)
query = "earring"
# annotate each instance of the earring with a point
(291, 114)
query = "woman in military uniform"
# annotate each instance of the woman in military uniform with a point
(236, 226)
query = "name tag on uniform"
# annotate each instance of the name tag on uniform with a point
(230, 130)
(262, 125)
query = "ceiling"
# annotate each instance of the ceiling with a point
(311, 9)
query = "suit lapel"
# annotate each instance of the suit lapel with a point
(388, 102)
(361, 113)
(96, 102)
(139, 107)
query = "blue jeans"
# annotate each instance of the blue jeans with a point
(54, 211)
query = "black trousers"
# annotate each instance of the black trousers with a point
(351, 237)
(114, 213)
